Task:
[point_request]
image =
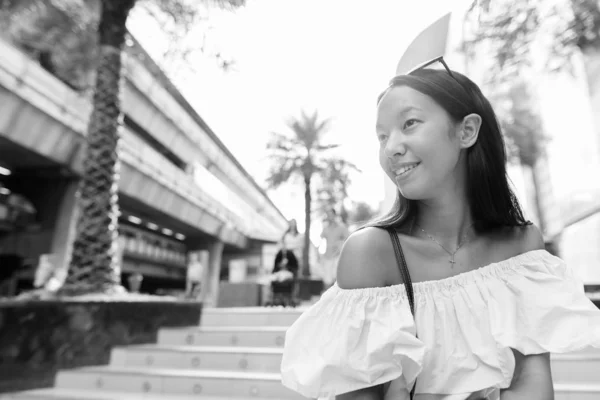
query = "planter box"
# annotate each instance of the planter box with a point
(247, 294)
(38, 338)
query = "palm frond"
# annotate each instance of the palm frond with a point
(280, 160)
(323, 126)
(323, 147)
(308, 129)
(303, 133)
(280, 148)
(280, 173)
(277, 140)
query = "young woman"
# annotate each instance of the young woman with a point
(292, 240)
(490, 303)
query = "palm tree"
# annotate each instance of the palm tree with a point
(94, 265)
(301, 155)
(334, 183)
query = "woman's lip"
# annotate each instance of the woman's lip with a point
(402, 166)
(407, 173)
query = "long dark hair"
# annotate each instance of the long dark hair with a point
(292, 261)
(493, 203)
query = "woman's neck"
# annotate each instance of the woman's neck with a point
(448, 221)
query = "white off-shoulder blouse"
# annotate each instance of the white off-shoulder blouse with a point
(466, 326)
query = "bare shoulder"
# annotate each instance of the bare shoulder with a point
(511, 241)
(365, 259)
(529, 238)
(523, 239)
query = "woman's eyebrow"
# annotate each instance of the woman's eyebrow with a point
(401, 112)
(407, 109)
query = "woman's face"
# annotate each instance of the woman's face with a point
(419, 147)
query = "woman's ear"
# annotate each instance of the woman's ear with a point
(469, 130)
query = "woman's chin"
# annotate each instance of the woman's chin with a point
(407, 188)
(409, 192)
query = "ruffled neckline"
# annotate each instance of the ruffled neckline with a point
(495, 269)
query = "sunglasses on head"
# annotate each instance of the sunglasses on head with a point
(439, 59)
(426, 64)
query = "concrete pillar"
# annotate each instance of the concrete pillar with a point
(212, 272)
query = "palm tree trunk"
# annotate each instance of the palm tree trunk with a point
(95, 267)
(307, 220)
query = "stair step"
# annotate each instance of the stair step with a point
(260, 359)
(576, 368)
(245, 336)
(576, 391)
(592, 356)
(562, 392)
(588, 351)
(176, 382)
(250, 316)
(207, 349)
(76, 394)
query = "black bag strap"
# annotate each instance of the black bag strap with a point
(403, 269)
(406, 278)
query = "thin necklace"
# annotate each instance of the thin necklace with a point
(462, 242)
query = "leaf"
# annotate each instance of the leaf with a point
(509, 30)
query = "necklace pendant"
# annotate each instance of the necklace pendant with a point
(452, 262)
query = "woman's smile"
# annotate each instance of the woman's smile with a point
(401, 172)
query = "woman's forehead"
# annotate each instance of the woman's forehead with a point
(399, 98)
(399, 101)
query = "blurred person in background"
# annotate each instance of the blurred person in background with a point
(335, 232)
(285, 267)
(195, 271)
(283, 278)
(292, 240)
(135, 282)
(285, 259)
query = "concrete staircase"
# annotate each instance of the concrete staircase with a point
(235, 354)
(577, 375)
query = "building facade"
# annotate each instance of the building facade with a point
(180, 188)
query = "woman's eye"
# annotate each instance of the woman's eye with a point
(381, 138)
(410, 123)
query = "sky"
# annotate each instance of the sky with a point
(332, 56)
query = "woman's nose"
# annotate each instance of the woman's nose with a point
(395, 145)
